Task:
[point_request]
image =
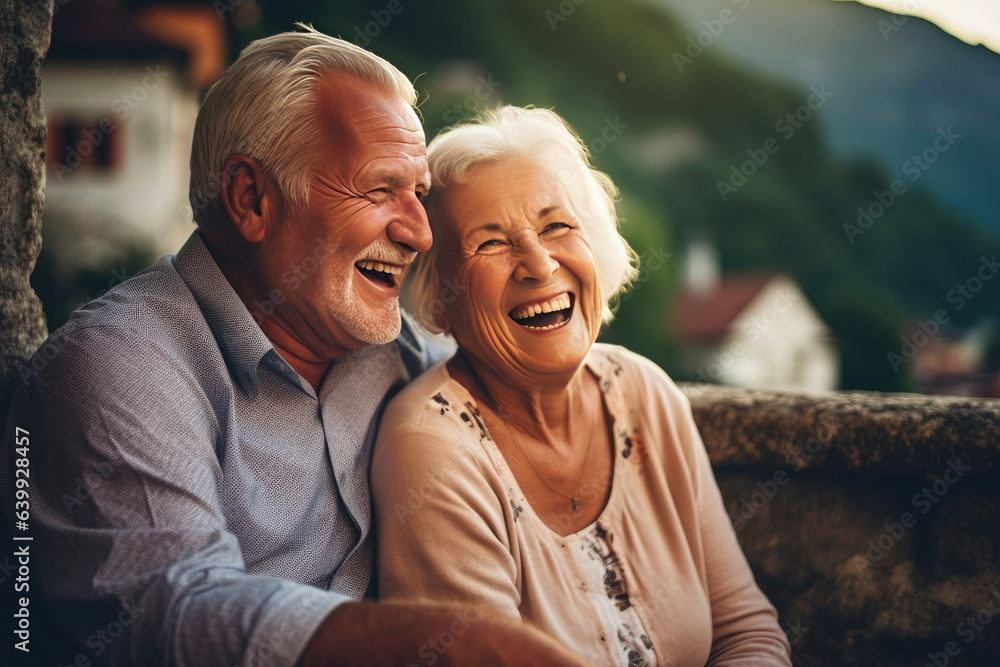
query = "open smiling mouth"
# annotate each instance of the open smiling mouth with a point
(377, 272)
(545, 315)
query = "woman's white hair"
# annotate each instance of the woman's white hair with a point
(264, 106)
(543, 136)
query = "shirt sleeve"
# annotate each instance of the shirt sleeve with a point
(745, 624)
(442, 530)
(133, 552)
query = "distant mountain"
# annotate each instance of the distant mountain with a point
(714, 144)
(895, 82)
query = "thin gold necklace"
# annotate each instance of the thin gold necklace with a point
(574, 500)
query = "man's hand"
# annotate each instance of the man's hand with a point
(390, 633)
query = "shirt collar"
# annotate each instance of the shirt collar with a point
(242, 342)
(240, 339)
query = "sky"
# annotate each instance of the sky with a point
(973, 21)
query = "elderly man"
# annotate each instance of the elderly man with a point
(200, 441)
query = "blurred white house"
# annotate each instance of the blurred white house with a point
(120, 88)
(752, 330)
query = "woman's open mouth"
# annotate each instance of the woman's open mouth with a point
(378, 272)
(545, 315)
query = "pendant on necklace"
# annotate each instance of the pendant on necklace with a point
(572, 504)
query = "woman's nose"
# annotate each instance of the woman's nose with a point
(534, 261)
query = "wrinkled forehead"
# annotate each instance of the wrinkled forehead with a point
(521, 183)
(500, 195)
(356, 114)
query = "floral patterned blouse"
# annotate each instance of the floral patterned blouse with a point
(657, 579)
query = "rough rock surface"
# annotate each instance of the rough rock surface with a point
(888, 433)
(872, 521)
(25, 27)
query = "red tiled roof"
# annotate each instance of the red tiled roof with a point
(707, 316)
(188, 32)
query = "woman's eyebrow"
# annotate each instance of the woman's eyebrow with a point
(557, 208)
(486, 227)
(561, 209)
(499, 227)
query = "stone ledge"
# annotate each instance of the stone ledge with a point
(871, 521)
(886, 433)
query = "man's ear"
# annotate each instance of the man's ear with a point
(246, 195)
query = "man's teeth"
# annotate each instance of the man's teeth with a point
(560, 302)
(379, 266)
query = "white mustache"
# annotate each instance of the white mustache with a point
(387, 255)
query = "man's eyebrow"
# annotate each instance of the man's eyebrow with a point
(383, 175)
(393, 179)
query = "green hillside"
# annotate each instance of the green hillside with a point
(674, 131)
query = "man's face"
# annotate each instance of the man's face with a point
(339, 259)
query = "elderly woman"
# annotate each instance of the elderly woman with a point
(537, 472)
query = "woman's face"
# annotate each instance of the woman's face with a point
(528, 304)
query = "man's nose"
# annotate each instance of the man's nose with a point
(411, 227)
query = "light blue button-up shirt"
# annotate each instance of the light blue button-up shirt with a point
(193, 500)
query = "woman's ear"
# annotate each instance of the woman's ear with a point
(441, 322)
(435, 316)
(437, 306)
(245, 193)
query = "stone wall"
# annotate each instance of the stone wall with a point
(872, 521)
(25, 27)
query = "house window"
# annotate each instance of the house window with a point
(80, 144)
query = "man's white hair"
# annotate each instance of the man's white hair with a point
(544, 137)
(264, 106)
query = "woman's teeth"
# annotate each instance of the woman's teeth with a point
(560, 302)
(545, 315)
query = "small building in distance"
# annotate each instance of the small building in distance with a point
(752, 330)
(121, 87)
(954, 362)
